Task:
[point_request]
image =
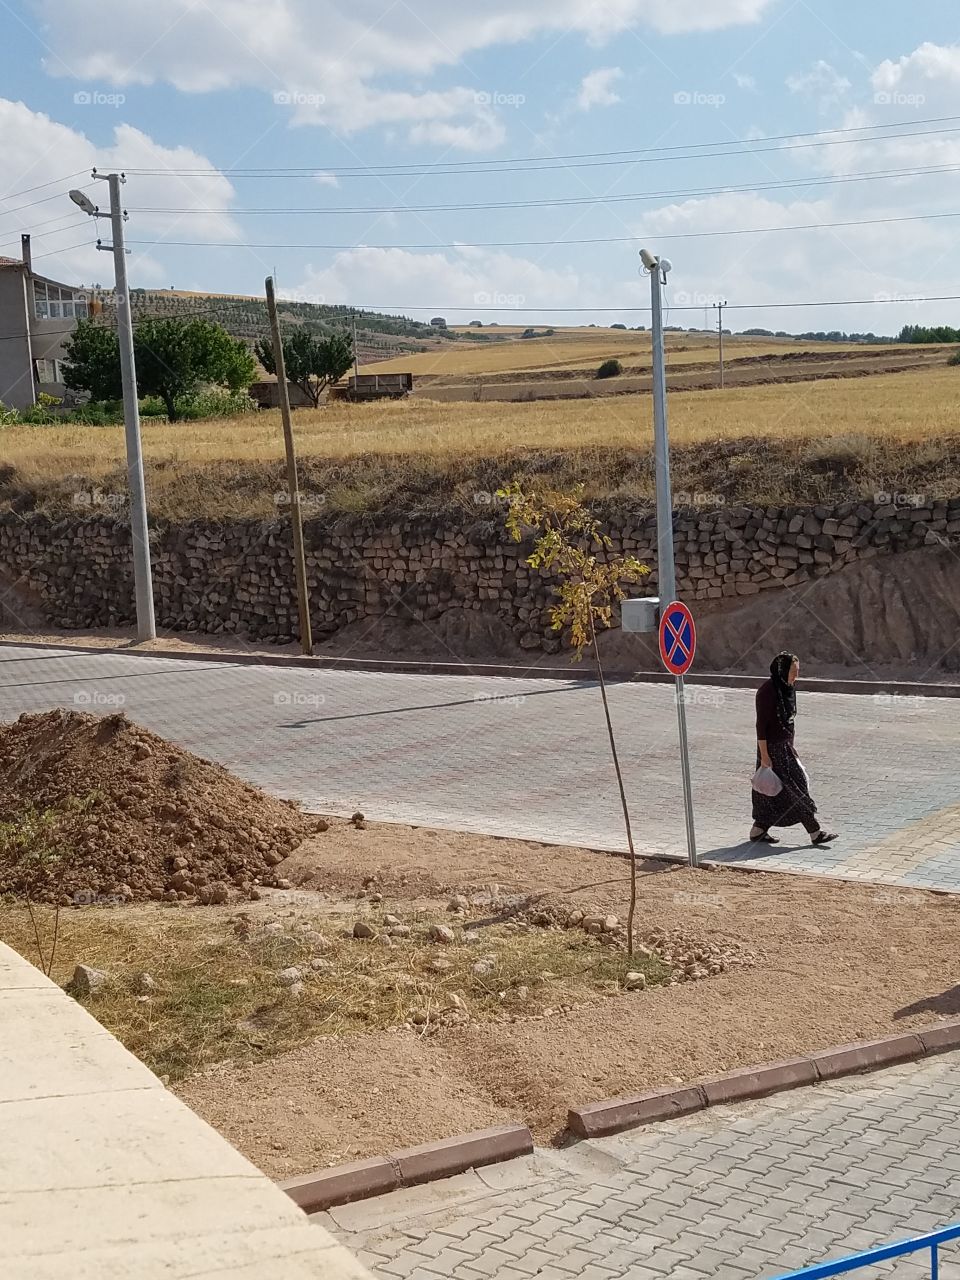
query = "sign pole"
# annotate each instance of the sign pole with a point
(692, 857)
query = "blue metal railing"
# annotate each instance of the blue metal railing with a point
(932, 1241)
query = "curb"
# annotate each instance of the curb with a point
(395, 666)
(408, 1168)
(599, 1119)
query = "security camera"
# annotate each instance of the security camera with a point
(648, 259)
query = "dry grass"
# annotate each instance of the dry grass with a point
(217, 995)
(797, 442)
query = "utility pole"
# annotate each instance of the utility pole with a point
(720, 305)
(293, 483)
(666, 570)
(356, 354)
(139, 528)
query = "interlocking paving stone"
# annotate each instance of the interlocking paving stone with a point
(652, 1216)
(443, 750)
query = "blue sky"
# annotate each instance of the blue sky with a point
(192, 92)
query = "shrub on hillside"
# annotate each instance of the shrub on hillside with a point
(610, 369)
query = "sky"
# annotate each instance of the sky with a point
(504, 160)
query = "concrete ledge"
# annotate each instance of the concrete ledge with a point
(941, 1038)
(408, 1168)
(757, 1082)
(342, 1185)
(455, 1155)
(867, 1056)
(395, 666)
(599, 1118)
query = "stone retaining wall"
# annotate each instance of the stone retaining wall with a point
(238, 577)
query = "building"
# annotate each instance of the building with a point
(373, 386)
(37, 316)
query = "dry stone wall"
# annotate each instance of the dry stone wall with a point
(238, 578)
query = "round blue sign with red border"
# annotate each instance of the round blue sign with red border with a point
(678, 638)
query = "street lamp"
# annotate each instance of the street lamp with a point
(140, 531)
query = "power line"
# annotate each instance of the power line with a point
(568, 201)
(57, 195)
(12, 195)
(519, 244)
(829, 138)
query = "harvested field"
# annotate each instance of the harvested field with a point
(763, 444)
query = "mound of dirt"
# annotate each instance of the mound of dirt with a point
(104, 807)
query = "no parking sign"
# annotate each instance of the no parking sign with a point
(678, 638)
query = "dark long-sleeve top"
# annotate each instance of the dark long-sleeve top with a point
(770, 728)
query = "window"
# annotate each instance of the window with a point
(53, 303)
(49, 371)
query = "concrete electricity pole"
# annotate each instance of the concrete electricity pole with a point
(139, 528)
(293, 483)
(356, 354)
(720, 306)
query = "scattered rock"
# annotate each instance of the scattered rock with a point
(442, 933)
(440, 966)
(214, 894)
(634, 981)
(363, 930)
(319, 965)
(289, 976)
(358, 820)
(315, 941)
(144, 984)
(391, 920)
(87, 981)
(459, 902)
(399, 931)
(322, 825)
(295, 989)
(272, 929)
(610, 923)
(484, 966)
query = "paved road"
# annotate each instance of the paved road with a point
(737, 1193)
(529, 758)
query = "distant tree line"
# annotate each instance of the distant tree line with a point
(928, 333)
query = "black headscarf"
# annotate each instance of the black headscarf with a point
(785, 693)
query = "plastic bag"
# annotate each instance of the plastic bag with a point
(766, 782)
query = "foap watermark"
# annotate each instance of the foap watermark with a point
(297, 98)
(496, 98)
(97, 698)
(685, 899)
(688, 499)
(484, 498)
(898, 898)
(484, 299)
(302, 295)
(696, 696)
(97, 98)
(87, 898)
(896, 98)
(884, 499)
(308, 501)
(685, 299)
(901, 299)
(697, 98)
(900, 702)
(287, 699)
(500, 699)
(90, 499)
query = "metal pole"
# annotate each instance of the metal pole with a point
(692, 856)
(293, 483)
(666, 571)
(666, 574)
(142, 575)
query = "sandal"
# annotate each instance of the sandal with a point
(764, 838)
(822, 837)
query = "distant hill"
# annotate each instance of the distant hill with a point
(379, 336)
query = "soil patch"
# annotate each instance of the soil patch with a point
(97, 805)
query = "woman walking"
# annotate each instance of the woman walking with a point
(776, 712)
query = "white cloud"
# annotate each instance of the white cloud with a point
(596, 88)
(327, 179)
(927, 62)
(822, 81)
(336, 79)
(35, 150)
(745, 82)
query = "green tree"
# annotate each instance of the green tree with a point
(566, 540)
(93, 361)
(312, 362)
(177, 358)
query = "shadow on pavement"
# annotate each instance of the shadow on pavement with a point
(750, 851)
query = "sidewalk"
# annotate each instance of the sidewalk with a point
(736, 1193)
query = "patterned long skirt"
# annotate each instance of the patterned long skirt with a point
(794, 803)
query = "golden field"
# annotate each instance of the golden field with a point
(751, 443)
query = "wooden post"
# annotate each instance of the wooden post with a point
(293, 484)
